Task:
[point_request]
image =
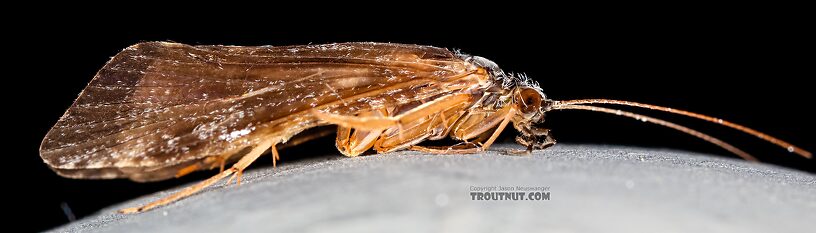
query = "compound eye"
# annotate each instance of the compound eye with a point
(528, 100)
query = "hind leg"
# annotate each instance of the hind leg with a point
(237, 168)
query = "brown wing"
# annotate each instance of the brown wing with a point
(156, 106)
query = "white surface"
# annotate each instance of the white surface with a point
(593, 189)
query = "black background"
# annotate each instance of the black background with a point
(750, 70)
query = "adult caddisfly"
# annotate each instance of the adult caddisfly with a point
(160, 110)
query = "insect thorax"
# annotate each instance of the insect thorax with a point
(504, 86)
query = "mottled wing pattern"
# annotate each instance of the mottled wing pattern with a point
(160, 105)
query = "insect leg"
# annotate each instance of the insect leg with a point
(502, 125)
(275, 156)
(465, 147)
(380, 123)
(307, 135)
(236, 168)
(343, 138)
(188, 169)
(533, 142)
(240, 172)
(355, 143)
(361, 141)
(196, 166)
(207, 163)
(400, 137)
(433, 126)
(473, 126)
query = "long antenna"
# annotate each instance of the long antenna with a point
(653, 120)
(779, 142)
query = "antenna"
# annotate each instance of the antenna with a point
(572, 104)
